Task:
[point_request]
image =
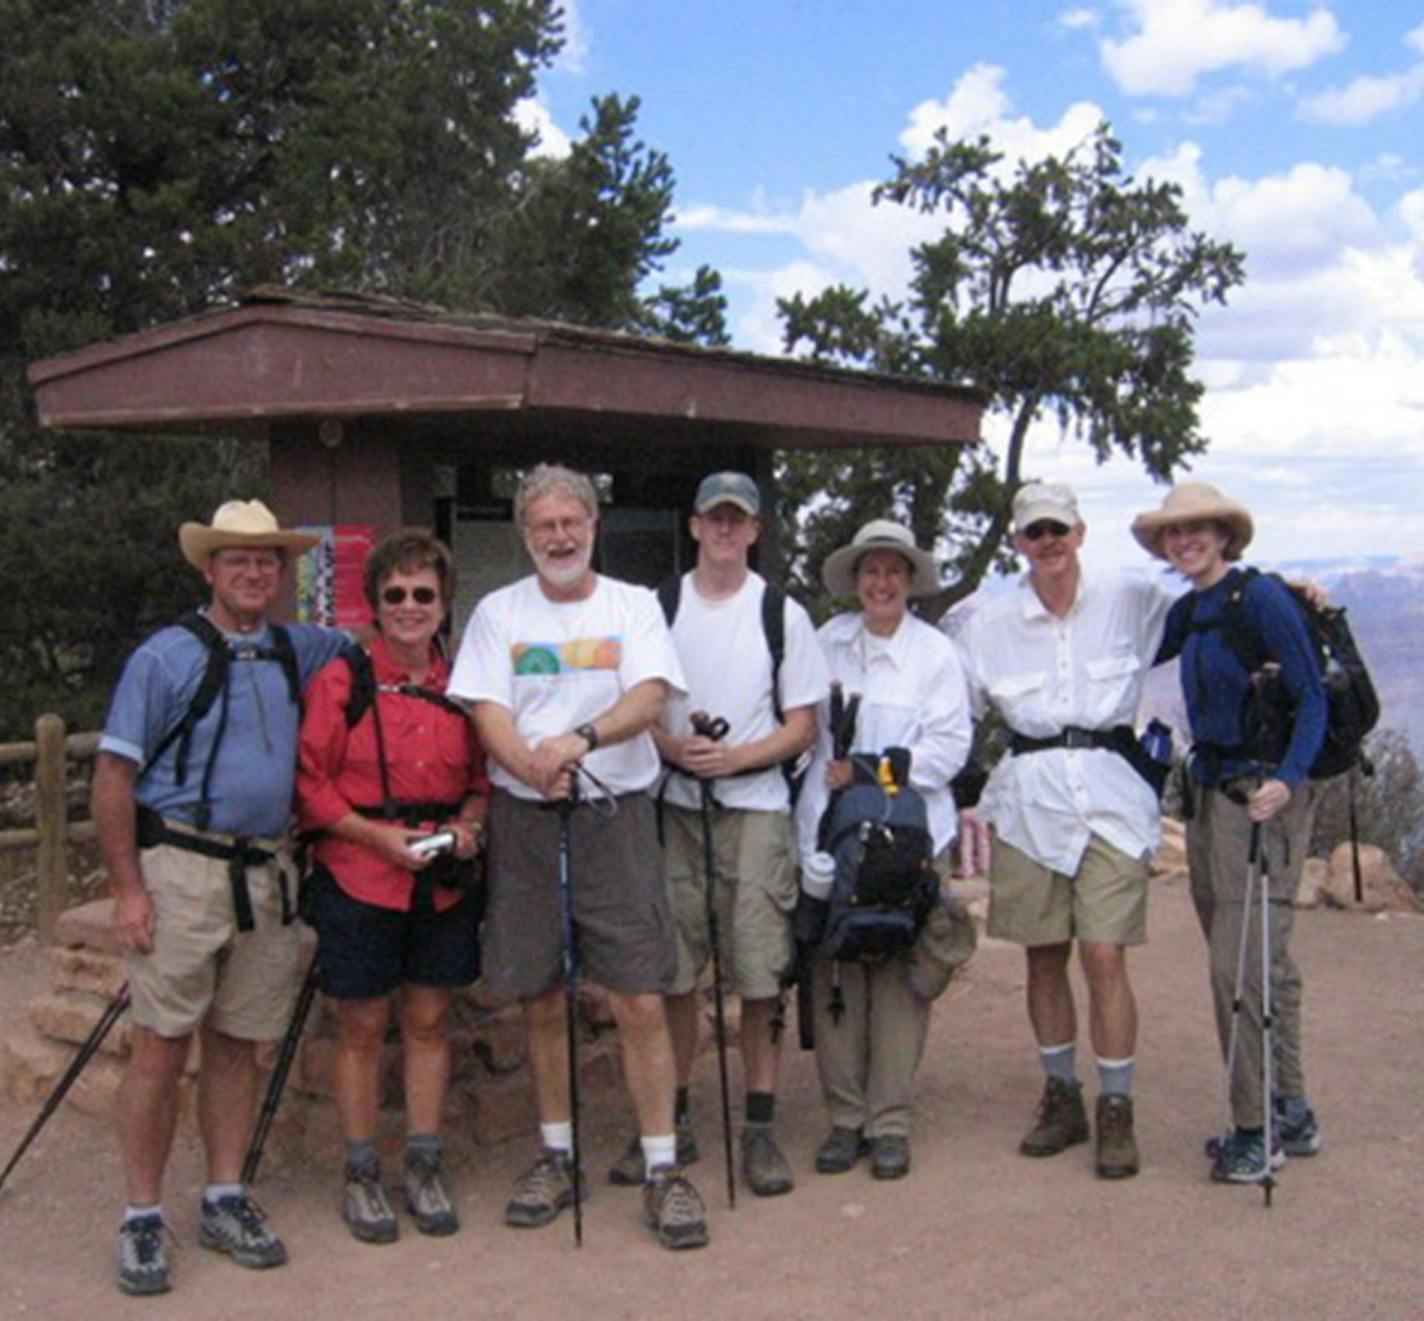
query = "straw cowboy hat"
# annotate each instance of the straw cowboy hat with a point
(1189, 502)
(238, 523)
(838, 572)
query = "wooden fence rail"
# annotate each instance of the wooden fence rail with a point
(53, 832)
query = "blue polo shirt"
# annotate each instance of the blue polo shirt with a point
(251, 783)
(1215, 683)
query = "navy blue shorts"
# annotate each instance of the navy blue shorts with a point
(364, 951)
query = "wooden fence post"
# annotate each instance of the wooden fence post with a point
(51, 821)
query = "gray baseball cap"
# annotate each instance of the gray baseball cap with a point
(728, 488)
(1051, 500)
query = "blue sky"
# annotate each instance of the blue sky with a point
(1293, 128)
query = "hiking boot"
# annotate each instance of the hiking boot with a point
(889, 1156)
(1062, 1121)
(546, 1189)
(426, 1198)
(143, 1259)
(366, 1208)
(673, 1210)
(840, 1151)
(1241, 1157)
(1117, 1148)
(236, 1225)
(1299, 1132)
(628, 1171)
(763, 1166)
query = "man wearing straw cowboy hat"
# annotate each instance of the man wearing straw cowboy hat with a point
(192, 791)
(1062, 660)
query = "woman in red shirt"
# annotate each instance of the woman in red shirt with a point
(384, 760)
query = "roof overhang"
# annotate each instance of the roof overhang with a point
(239, 369)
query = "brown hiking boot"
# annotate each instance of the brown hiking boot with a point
(673, 1210)
(1117, 1148)
(763, 1166)
(1062, 1121)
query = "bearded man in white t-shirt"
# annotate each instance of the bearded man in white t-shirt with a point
(569, 669)
(724, 618)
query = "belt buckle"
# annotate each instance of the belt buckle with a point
(1077, 739)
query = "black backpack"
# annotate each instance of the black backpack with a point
(1267, 721)
(211, 686)
(885, 882)
(773, 627)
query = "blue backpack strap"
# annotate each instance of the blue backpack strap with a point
(213, 681)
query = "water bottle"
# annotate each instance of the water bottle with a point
(818, 875)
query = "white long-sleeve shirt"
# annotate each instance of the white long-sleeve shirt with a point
(912, 695)
(1042, 674)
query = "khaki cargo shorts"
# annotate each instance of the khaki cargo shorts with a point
(754, 864)
(1105, 902)
(201, 968)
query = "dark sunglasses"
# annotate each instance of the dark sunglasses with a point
(421, 595)
(1037, 531)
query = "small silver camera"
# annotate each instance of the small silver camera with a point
(430, 846)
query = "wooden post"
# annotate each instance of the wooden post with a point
(51, 813)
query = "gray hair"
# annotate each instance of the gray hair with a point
(553, 479)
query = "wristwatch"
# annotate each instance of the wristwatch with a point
(589, 735)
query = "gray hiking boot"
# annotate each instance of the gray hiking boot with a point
(366, 1208)
(546, 1189)
(1298, 1127)
(236, 1225)
(628, 1170)
(841, 1149)
(426, 1197)
(142, 1259)
(889, 1156)
(1117, 1147)
(763, 1166)
(1062, 1122)
(673, 1210)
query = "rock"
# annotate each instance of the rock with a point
(70, 1016)
(500, 1040)
(1314, 877)
(94, 1091)
(1171, 854)
(503, 1108)
(88, 925)
(86, 970)
(29, 1065)
(1383, 888)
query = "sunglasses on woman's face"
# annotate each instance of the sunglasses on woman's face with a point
(420, 595)
(1044, 527)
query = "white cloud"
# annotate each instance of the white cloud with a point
(1177, 41)
(1411, 212)
(573, 57)
(533, 117)
(1077, 19)
(1370, 95)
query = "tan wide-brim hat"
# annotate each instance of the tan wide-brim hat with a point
(1189, 502)
(239, 523)
(838, 571)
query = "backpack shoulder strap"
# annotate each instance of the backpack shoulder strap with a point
(773, 625)
(214, 677)
(363, 684)
(670, 597)
(286, 655)
(1236, 629)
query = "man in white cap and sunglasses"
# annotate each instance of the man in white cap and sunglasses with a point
(192, 793)
(1074, 821)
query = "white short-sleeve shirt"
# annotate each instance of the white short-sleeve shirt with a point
(1042, 674)
(559, 664)
(722, 647)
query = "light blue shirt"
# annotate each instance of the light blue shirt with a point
(251, 784)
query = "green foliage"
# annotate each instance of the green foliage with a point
(1061, 288)
(159, 156)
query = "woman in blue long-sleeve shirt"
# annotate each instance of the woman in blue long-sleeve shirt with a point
(1248, 772)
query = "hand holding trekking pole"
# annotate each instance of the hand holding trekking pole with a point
(1271, 797)
(716, 730)
(705, 755)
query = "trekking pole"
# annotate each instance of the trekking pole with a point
(716, 730)
(1239, 989)
(1267, 1026)
(113, 1011)
(278, 1082)
(567, 933)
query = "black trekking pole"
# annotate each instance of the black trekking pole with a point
(278, 1082)
(113, 1011)
(716, 730)
(1267, 1025)
(567, 932)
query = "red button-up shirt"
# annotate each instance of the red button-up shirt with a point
(432, 755)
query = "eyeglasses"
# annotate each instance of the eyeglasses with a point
(1045, 527)
(248, 561)
(420, 595)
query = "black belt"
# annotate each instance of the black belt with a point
(409, 811)
(239, 853)
(1115, 739)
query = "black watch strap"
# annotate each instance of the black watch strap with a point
(589, 735)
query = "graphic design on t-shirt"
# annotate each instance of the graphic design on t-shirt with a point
(549, 658)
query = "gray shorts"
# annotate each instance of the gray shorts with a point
(623, 927)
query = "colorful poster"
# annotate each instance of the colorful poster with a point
(329, 576)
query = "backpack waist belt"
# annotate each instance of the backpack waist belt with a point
(409, 811)
(238, 852)
(1115, 739)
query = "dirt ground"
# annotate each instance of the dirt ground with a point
(975, 1231)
